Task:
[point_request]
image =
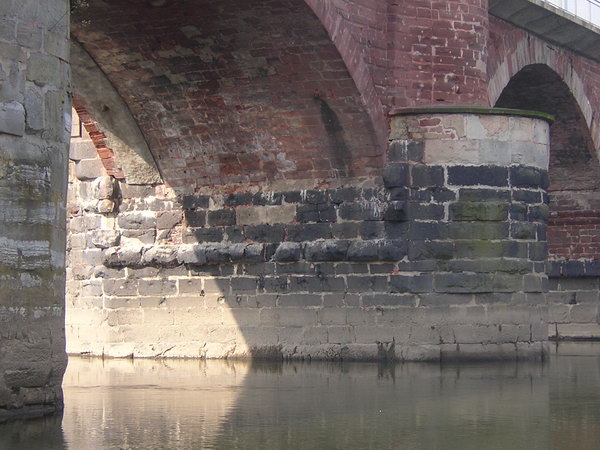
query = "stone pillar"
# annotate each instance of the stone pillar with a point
(34, 134)
(474, 185)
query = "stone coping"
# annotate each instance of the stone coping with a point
(479, 110)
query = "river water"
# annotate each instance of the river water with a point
(172, 404)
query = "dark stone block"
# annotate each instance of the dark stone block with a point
(415, 151)
(542, 234)
(424, 211)
(265, 233)
(317, 284)
(592, 268)
(332, 250)
(327, 213)
(195, 201)
(414, 283)
(243, 285)
(427, 176)
(395, 211)
(346, 268)
(193, 235)
(463, 283)
(292, 197)
(573, 269)
(267, 198)
(554, 268)
(221, 217)
(523, 176)
(395, 175)
(396, 230)
(288, 252)
(299, 300)
(367, 283)
(473, 248)
(388, 300)
(521, 230)
(238, 199)
(361, 211)
(474, 175)
(430, 250)
(195, 218)
(363, 251)
(218, 253)
(442, 195)
(275, 284)
(347, 230)
(512, 249)
(399, 193)
(234, 234)
(421, 195)
(308, 232)
(481, 195)
(538, 251)
(397, 151)
(428, 231)
(392, 250)
(478, 230)
(314, 196)
(518, 211)
(538, 213)
(307, 213)
(349, 194)
(480, 211)
(372, 230)
(270, 249)
(523, 196)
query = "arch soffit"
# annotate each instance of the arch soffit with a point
(535, 51)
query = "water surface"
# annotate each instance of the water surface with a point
(172, 404)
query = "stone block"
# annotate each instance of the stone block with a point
(424, 211)
(299, 300)
(195, 218)
(478, 175)
(195, 201)
(349, 194)
(89, 169)
(12, 118)
(308, 232)
(120, 288)
(370, 230)
(166, 220)
(437, 250)
(482, 195)
(478, 230)
(330, 250)
(374, 283)
(103, 187)
(396, 175)
(104, 238)
(392, 249)
(427, 176)
(264, 233)
(157, 287)
(138, 237)
(483, 211)
(411, 283)
(521, 230)
(363, 251)
(34, 107)
(395, 211)
(194, 235)
(523, 176)
(160, 255)
(267, 198)
(288, 252)
(238, 199)
(221, 217)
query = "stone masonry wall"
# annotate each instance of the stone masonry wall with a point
(443, 258)
(34, 132)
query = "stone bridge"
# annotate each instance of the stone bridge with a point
(342, 179)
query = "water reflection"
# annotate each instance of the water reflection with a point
(143, 404)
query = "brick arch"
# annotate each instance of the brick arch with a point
(234, 93)
(344, 21)
(574, 190)
(529, 51)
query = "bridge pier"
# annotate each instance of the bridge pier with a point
(34, 135)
